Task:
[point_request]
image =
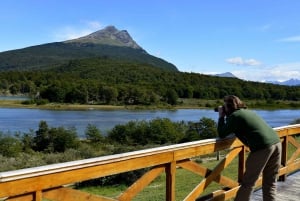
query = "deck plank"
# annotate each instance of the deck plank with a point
(288, 190)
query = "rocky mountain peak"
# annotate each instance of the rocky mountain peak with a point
(110, 35)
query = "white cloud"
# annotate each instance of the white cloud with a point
(239, 61)
(252, 62)
(291, 39)
(72, 32)
(280, 72)
(235, 61)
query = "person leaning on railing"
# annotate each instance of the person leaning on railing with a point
(262, 140)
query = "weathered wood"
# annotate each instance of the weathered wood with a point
(26, 197)
(170, 181)
(284, 156)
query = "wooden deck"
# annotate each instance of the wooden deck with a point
(288, 190)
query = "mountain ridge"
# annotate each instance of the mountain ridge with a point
(108, 42)
(110, 35)
(226, 74)
(290, 82)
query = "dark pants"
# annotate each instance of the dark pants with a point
(266, 161)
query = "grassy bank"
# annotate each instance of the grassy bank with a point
(182, 104)
(57, 106)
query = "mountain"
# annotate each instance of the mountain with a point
(108, 43)
(227, 74)
(290, 82)
(108, 36)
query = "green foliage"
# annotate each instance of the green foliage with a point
(204, 129)
(156, 131)
(171, 97)
(62, 139)
(93, 134)
(42, 139)
(54, 139)
(9, 146)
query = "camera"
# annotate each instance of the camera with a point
(216, 109)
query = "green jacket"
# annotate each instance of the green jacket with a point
(249, 128)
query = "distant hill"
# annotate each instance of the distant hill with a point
(108, 42)
(290, 82)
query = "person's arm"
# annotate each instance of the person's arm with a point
(225, 128)
(221, 124)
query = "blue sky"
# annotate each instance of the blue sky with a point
(256, 40)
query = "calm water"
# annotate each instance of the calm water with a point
(15, 119)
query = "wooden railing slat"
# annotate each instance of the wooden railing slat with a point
(215, 172)
(141, 183)
(203, 171)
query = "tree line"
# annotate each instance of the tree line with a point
(103, 80)
(122, 138)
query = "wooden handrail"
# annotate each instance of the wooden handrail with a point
(50, 181)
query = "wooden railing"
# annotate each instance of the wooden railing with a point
(52, 182)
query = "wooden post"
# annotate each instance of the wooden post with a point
(170, 181)
(242, 162)
(38, 196)
(284, 157)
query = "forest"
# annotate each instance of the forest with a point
(102, 80)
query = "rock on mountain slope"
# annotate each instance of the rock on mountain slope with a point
(109, 36)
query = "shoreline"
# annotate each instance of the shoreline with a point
(189, 105)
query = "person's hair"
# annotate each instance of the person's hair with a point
(233, 103)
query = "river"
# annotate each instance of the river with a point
(22, 120)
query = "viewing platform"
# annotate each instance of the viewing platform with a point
(54, 182)
(289, 190)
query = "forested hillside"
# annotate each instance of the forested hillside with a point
(55, 54)
(105, 80)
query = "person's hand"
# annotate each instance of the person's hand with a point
(221, 111)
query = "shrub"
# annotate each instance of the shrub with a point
(54, 139)
(9, 146)
(93, 134)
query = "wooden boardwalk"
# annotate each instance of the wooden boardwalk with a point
(288, 190)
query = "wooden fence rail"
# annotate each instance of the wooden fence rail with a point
(51, 181)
